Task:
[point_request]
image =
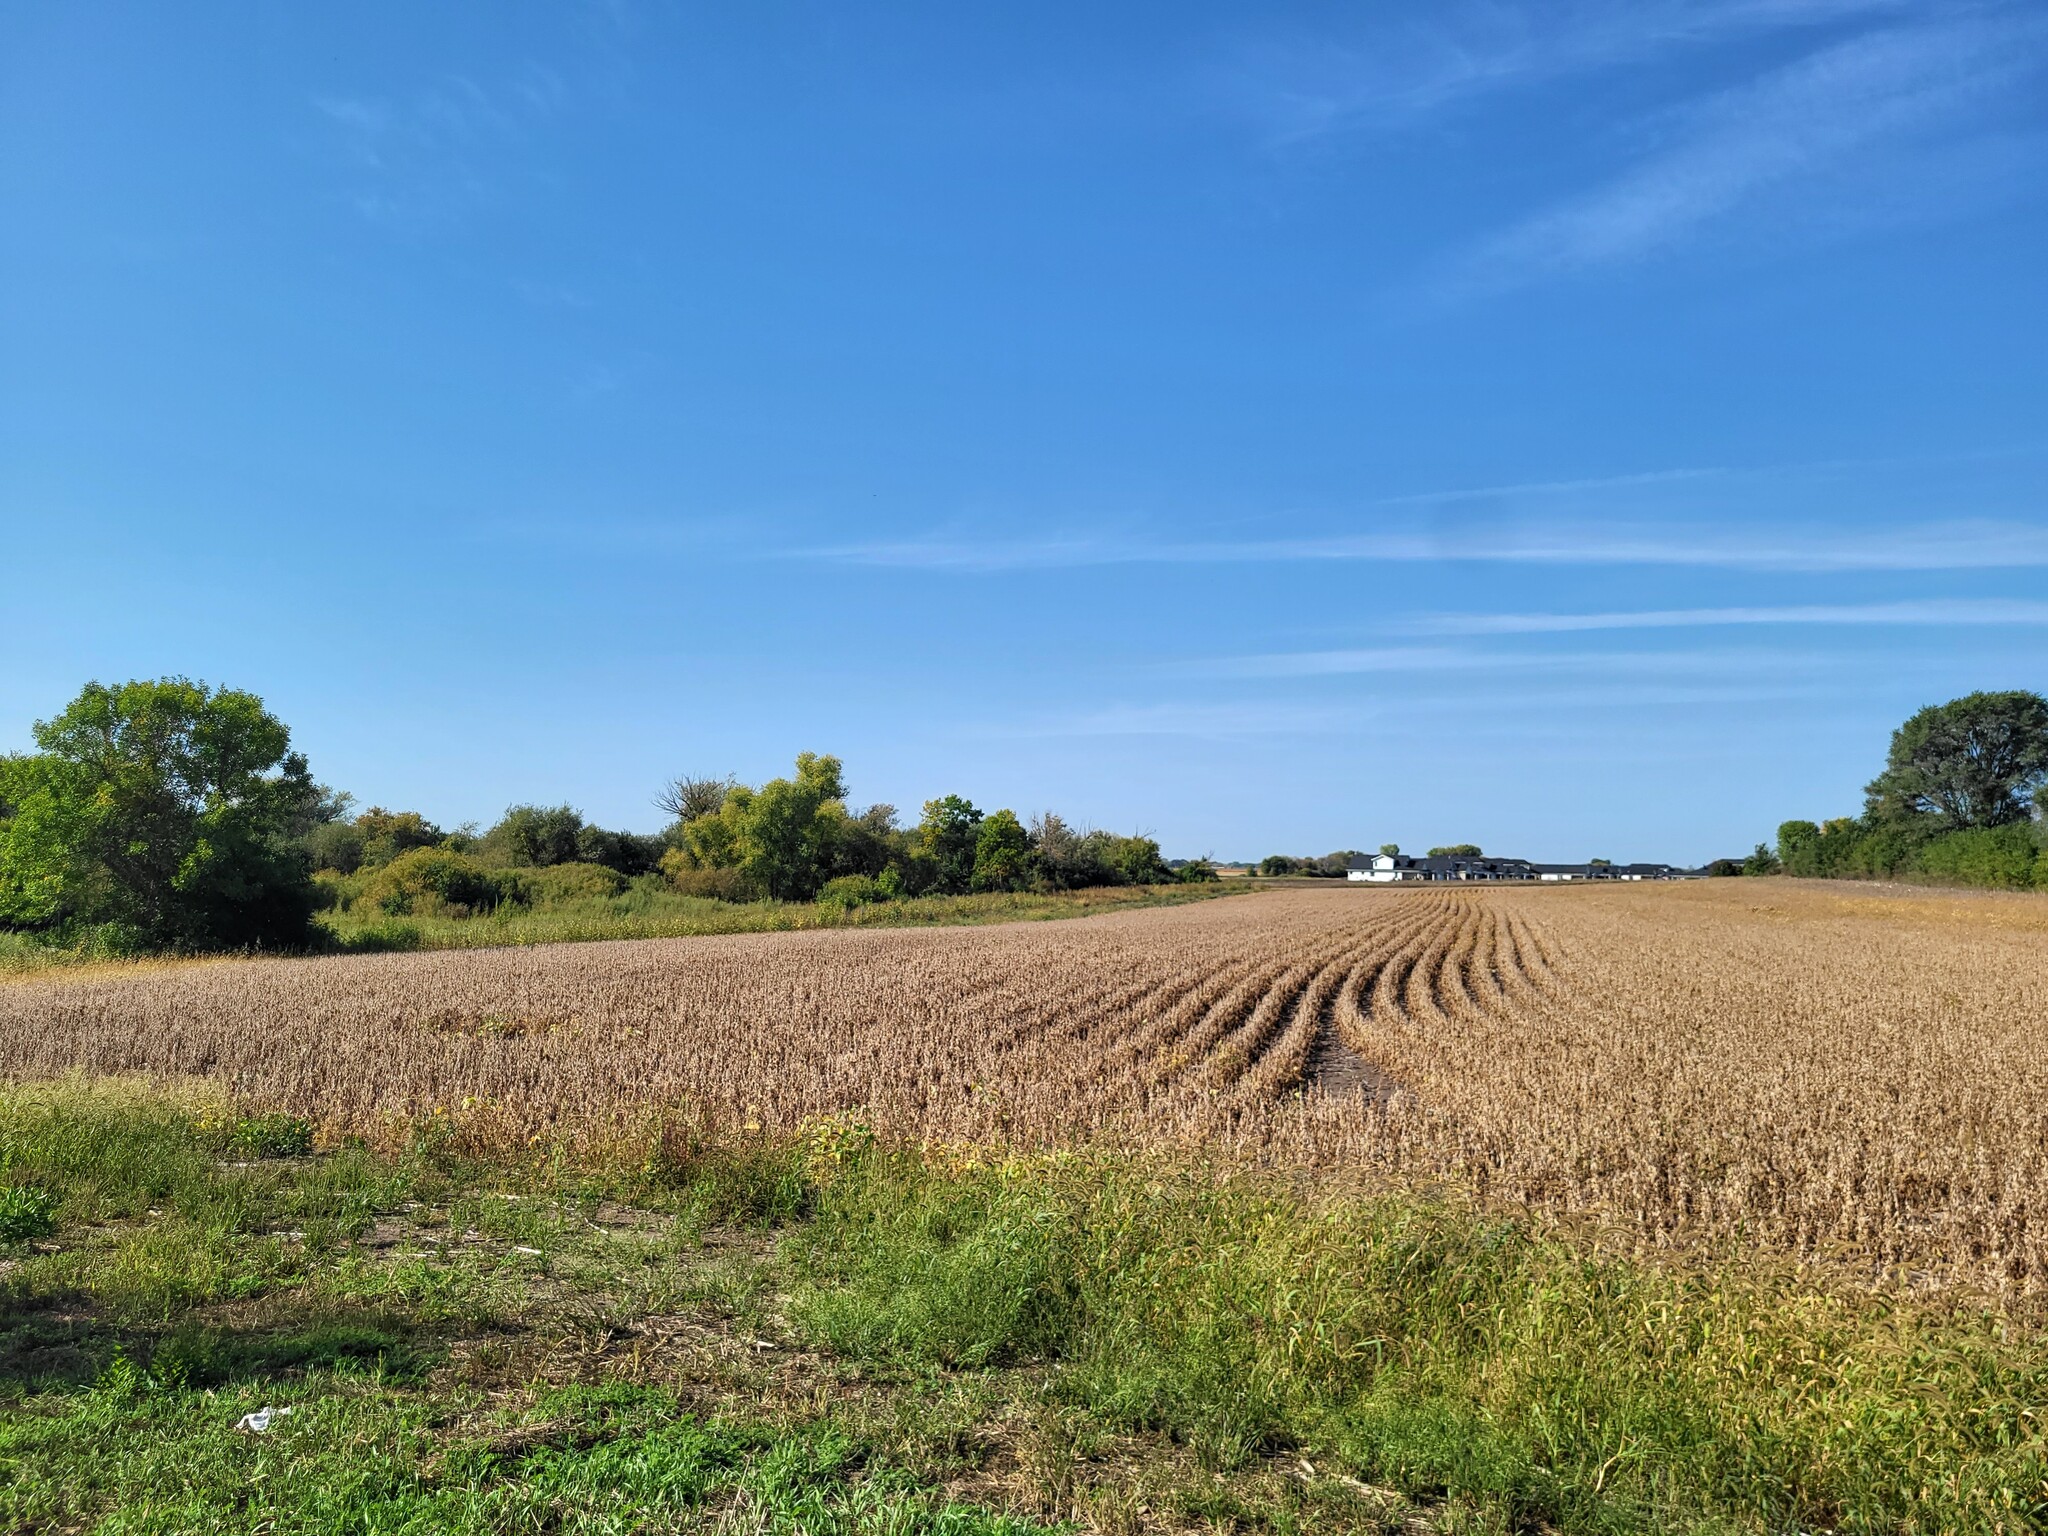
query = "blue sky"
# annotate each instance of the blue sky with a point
(1581, 429)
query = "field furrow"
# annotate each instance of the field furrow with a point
(1833, 1074)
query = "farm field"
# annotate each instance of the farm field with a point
(1327, 1209)
(1855, 1078)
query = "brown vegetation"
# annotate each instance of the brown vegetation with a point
(1859, 1079)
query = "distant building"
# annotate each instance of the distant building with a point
(1398, 868)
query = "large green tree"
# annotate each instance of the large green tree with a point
(1976, 761)
(783, 836)
(1002, 853)
(946, 840)
(166, 811)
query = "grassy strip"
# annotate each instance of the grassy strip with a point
(1433, 1350)
(454, 1373)
(833, 1337)
(639, 914)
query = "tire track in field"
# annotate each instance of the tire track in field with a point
(1334, 1062)
(1474, 964)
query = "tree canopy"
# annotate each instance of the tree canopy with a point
(166, 812)
(1002, 853)
(1977, 761)
(782, 837)
(947, 839)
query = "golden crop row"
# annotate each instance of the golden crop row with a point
(1858, 1078)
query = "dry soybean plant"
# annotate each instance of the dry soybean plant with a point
(1856, 1077)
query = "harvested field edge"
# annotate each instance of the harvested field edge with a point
(1682, 1068)
(1137, 1342)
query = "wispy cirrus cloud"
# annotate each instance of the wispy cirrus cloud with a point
(442, 147)
(1971, 545)
(1403, 69)
(1211, 720)
(2001, 612)
(1771, 144)
(1396, 660)
(1279, 721)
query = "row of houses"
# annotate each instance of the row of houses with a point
(1387, 868)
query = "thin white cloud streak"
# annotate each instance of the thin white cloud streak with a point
(441, 149)
(1977, 545)
(1216, 721)
(1550, 487)
(1393, 76)
(1396, 660)
(1790, 126)
(1999, 612)
(1227, 721)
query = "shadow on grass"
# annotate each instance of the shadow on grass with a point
(55, 1344)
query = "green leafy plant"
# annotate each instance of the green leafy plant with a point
(27, 1211)
(273, 1135)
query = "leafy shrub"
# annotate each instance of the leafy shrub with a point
(535, 835)
(272, 1135)
(428, 880)
(107, 941)
(333, 890)
(27, 1211)
(630, 853)
(2002, 857)
(718, 884)
(563, 882)
(849, 891)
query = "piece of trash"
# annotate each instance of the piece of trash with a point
(531, 1253)
(258, 1422)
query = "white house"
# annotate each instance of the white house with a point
(1383, 868)
(1388, 868)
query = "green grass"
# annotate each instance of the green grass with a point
(1428, 1348)
(644, 912)
(837, 1337)
(641, 912)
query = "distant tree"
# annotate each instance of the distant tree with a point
(167, 811)
(1798, 851)
(1135, 859)
(1974, 761)
(1197, 872)
(1761, 862)
(1391, 850)
(534, 836)
(946, 841)
(1277, 864)
(1467, 851)
(870, 843)
(784, 835)
(1600, 863)
(1057, 853)
(687, 799)
(1721, 868)
(627, 853)
(1002, 853)
(387, 834)
(335, 845)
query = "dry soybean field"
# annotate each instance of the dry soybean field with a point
(1857, 1074)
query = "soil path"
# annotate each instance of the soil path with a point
(1336, 1069)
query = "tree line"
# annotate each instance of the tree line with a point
(166, 814)
(1962, 799)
